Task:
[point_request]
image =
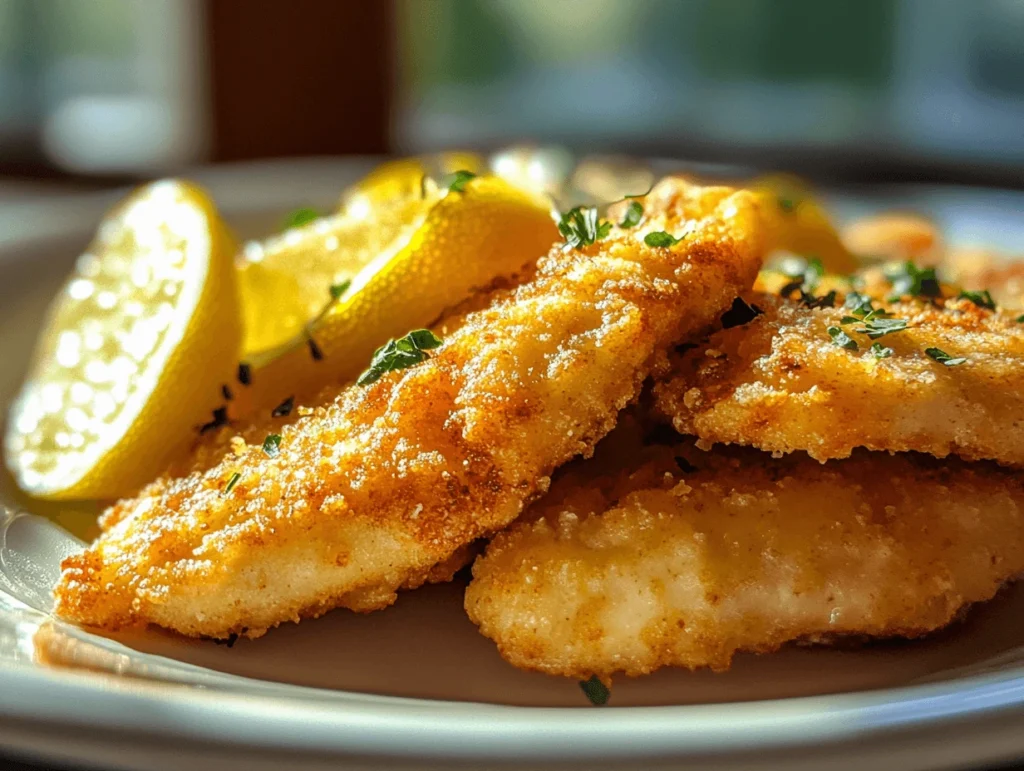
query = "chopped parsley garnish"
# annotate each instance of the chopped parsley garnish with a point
(232, 481)
(806, 273)
(880, 351)
(740, 313)
(301, 217)
(337, 290)
(843, 340)
(812, 274)
(314, 349)
(244, 374)
(272, 445)
(1020, 319)
(786, 203)
(581, 226)
(859, 303)
(944, 358)
(908, 279)
(226, 392)
(400, 354)
(596, 691)
(661, 238)
(634, 213)
(875, 322)
(220, 418)
(825, 301)
(456, 182)
(876, 326)
(982, 299)
(284, 409)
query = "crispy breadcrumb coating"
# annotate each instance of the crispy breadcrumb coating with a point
(647, 557)
(381, 483)
(780, 383)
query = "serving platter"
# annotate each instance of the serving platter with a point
(416, 686)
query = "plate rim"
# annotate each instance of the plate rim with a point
(347, 723)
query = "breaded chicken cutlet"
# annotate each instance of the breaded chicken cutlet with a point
(664, 555)
(383, 482)
(944, 378)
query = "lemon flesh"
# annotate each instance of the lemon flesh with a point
(137, 346)
(466, 241)
(285, 280)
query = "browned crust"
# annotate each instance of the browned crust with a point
(780, 384)
(379, 484)
(631, 568)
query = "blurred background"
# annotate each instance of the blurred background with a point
(100, 91)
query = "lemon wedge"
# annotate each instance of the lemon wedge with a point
(137, 347)
(402, 178)
(465, 241)
(284, 280)
(797, 223)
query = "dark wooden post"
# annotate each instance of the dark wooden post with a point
(299, 77)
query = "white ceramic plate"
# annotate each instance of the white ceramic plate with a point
(415, 686)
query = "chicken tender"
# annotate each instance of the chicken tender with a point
(669, 556)
(378, 485)
(781, 383)
(985, 269)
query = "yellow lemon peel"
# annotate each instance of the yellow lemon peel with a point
(136, 348)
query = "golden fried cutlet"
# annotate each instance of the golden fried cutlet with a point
(979, 269)
(646, 557)
(378, 485)
(781, 383)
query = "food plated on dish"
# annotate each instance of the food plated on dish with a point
(426, 401)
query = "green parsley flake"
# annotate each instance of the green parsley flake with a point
(807, 273)
(272, 445)
(232, 481)
(1020, 319)
(337, 290)
(982, 299)
(786, 203)
(400, 354)
(301, 217)
(879, 326)
(582, 227)
(944, 358)
(909, 280)
(284, 409)
(314, 348)
(858, 303)
(843, 340)
(659, 238)
(456, 182)
(875, 322)
(880, 351)
(812, 274)
(634, 213)
(596, 691)
(827, 300)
